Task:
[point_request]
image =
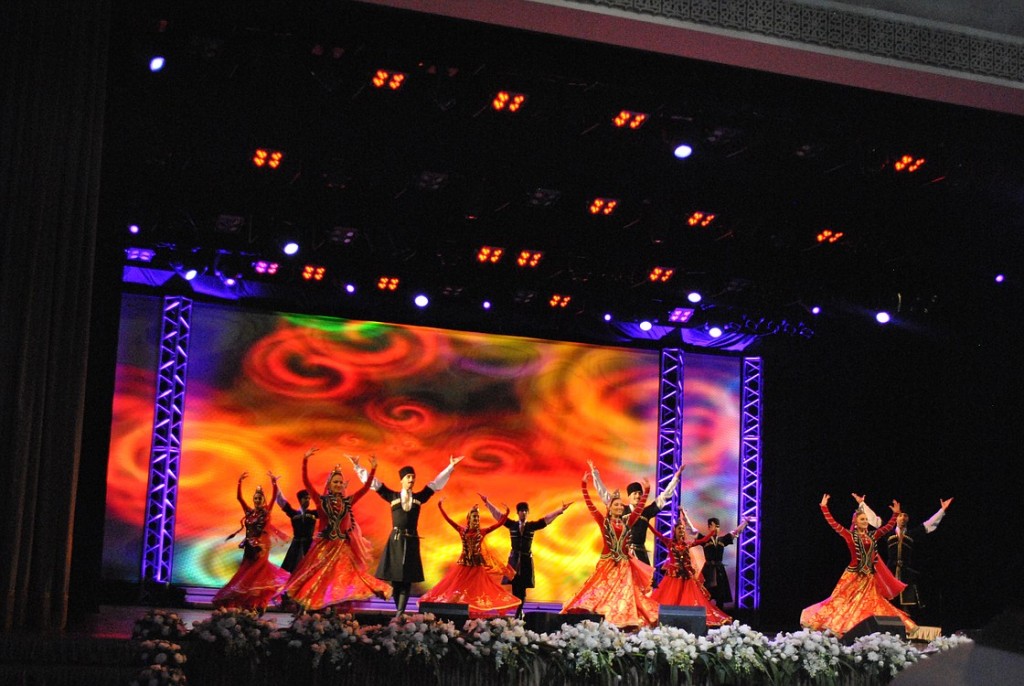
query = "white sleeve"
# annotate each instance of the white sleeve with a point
(873, 519)
(932, 523)
(599, 486)
(441, 479)
(662, 499)
(363, 473)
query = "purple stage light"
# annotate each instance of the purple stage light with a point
(815, 310)
(350, 288)
(486, 304)
(715, 332)
(680, 315)
(156, 64)
(607, 317)
(133, 229)
(139, 254)
(1000, 278)
(883, 317)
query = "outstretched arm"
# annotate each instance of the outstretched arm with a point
(366, 484)
(548, 518)
(274, 492)
(495, 512)
(836, 526)
(862, 506)
(588, 502)
(689, 524)
(602, 491)
(743, 525)
(238, 493)
(441, 479)
(662, 499)
(314, 492)
(932, 523)
(501, 521)
(363, 474)
(440, 506)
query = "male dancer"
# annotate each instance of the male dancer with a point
(401, 565)
(303, 525)
(520, 557)
(900, 548)
(716, 578)
(638, 532)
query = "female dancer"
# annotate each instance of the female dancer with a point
(866, 585)
(334, 571)
(620, 586)
(471, 581)
(257, 580)
(683, 584)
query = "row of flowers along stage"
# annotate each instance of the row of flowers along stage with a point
(241, 647)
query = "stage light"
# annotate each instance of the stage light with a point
(829, 236)
(391, 80)
(190, 273)
(715, 331)
(508, 101)
(133, 229)
(603, 206)
(271, 159)
(489, 254)
(908, 164)
(421, 300)
(313, 272)
(680, 315)
(883, 317)
(486, 304)
(350, 288)
(646, 325)
(289, 247)
(544, 197)
(607, 317)
(157, 63)
(660, 274)
(557, 300)
(682, 151)
(1000, 278)
(700, 219)
(139, 254)
(342, 235)
(265, 267)
(387, 283)
(529, 259)
(630, 119)
(694, 297)
(815, 310)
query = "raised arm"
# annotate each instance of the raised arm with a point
(660, 536)
(274, 492)
(314, 492)
(441, 479)
(455, 525)
(363, 474)
(637, 512)
(285, 506)
(238, 493)
(365, 488)
(602, 491)
(548, 518)
(590, 503)
(501, 522)
(891, 524)
(836, 526)
(662, 499)
(689, 524)
(932, 523)
(862, 506)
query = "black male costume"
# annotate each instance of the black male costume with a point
(520, 557)
(303, 526)
(638, 532)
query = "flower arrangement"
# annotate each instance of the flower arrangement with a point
(507, 642)
(325, 634)
(413, 647)
(159, 624)
(236, 632)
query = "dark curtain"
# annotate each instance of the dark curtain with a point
(53, 57)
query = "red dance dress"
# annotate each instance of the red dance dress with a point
(620, 587)
(863, 590)
(257, 581)
(474, 578)
(682, 584)
(335, 570)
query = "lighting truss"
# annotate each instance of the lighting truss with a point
(748, 592)
(165, 450)
(670, 442)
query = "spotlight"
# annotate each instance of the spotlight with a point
(529, 258)
(139, 254)
(265, 267)
(680, 315)
(508, 101)
(190, 273)
(883, 317)
(350, 288)
(607, 316)
(486, 304)
(694, 297)
(157, 63)
(489, 254)
(1000, 278)
(815, 310)
(660, 274)
(289, 247)
(682, 151)
(715, 332)
(387, 283)
(557, 300)
(630, 119)
(829, 236)
(908, 164)
(421, 300)
(133, 229)
(264, 157)
(700, 219)
(313, 272)
(390, 80)
(604, 206)
(646, 325)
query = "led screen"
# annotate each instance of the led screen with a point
(526, 415)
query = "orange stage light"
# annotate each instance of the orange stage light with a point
(700, 219)
(829, 236)
(661, 274)
(267, 158)
(909, 164)
(387, 283)
(509, 102)
(603, 206)
(627, 118)
(312, 272)
(391, 80)
(529, 258)
(490, 254)
(558, 300)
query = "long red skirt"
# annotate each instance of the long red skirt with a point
(855, 598)
(620, 591)
(675, 591)
(473, 586)
(253, 586)
(329, 575)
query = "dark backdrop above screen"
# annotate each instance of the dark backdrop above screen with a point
(527, 415)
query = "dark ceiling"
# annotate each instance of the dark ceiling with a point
(777, 160)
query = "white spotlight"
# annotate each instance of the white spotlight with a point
(646, 325)
(682, 151)
(883, 318)
(421, 300)
(694, 297)
(715, 332)
(156, 64)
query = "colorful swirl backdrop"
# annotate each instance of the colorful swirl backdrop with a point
(526, 414)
